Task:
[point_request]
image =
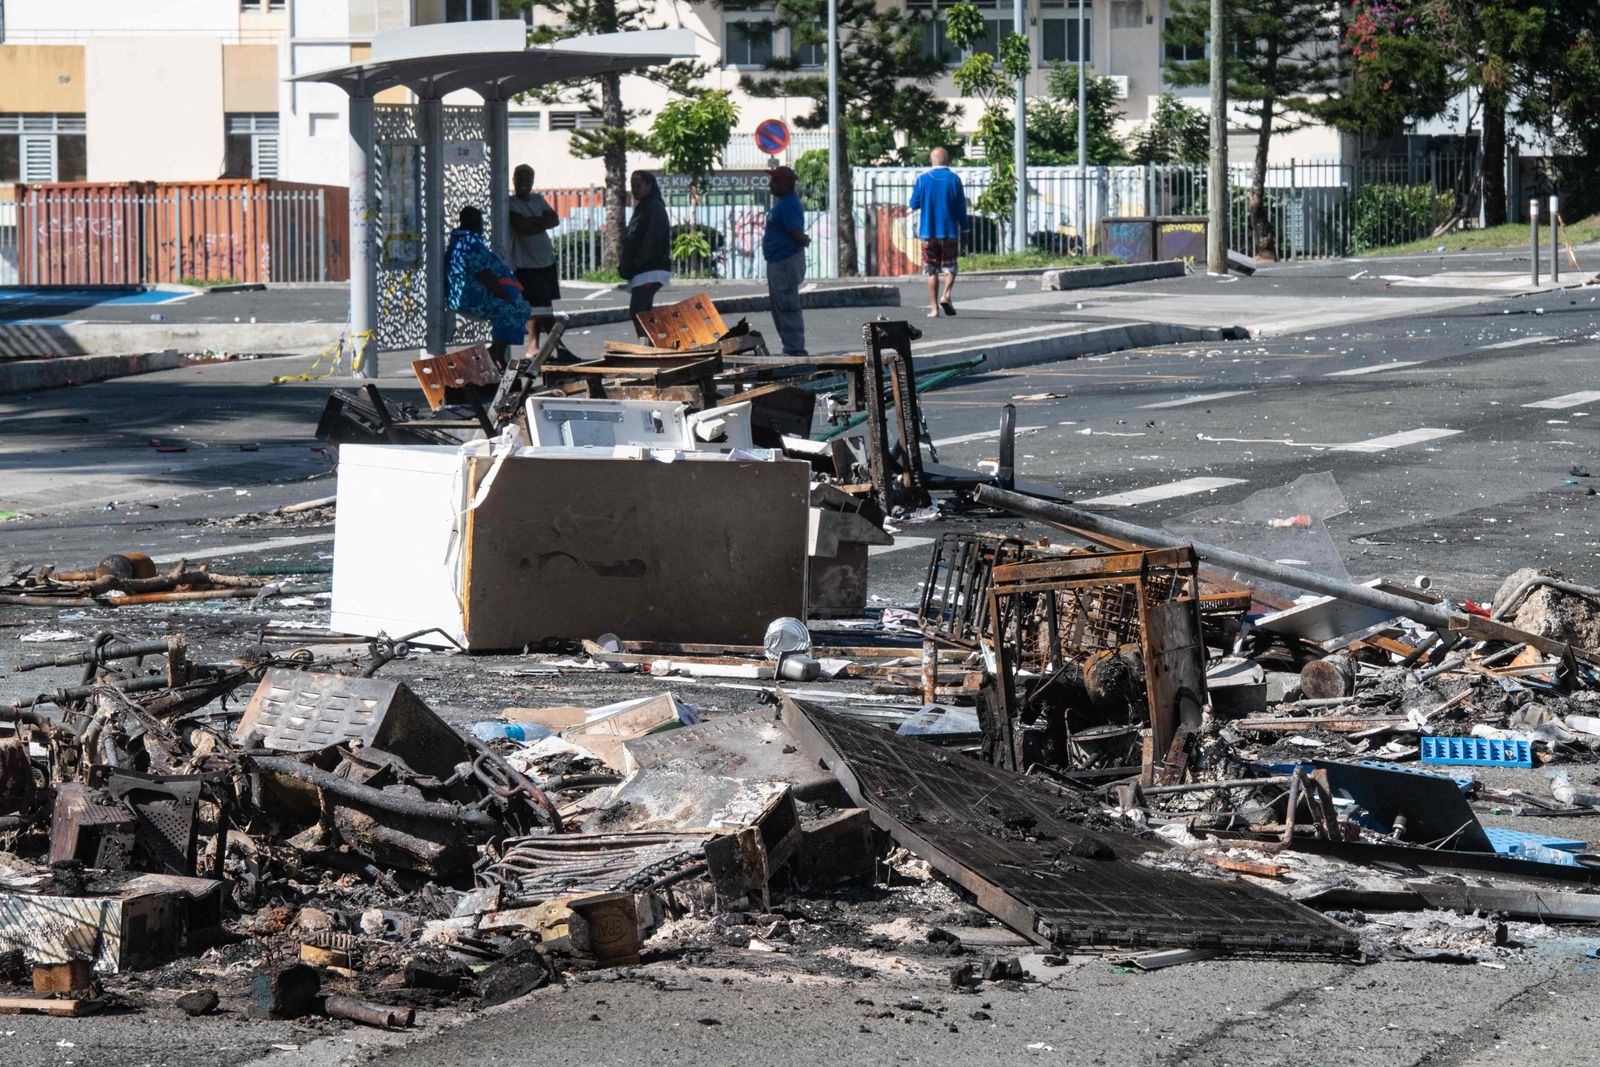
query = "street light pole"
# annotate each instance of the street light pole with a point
(835, 141)
(1217, 195)
(1019, 211)
(1083, 136)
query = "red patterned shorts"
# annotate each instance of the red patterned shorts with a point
(939, 255)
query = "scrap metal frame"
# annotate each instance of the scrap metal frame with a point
(902, 482)
(1099, 601)
(955, 596)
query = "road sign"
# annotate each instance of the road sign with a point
(772, 136)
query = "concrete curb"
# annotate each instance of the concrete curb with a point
(29, 376)
(1118, 274)
(22, 341)
(1076, 344)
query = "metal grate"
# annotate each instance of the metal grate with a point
(1051, 879)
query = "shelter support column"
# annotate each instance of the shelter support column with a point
(496, 139)
(363, 260)
(430, 115)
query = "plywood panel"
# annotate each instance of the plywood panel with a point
(691, 551)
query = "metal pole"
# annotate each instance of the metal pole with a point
(363, 263)
(835, 142)
(1217, 198)
(1019, 211)
(1555, 239)
(1083, 135)
(1533, 235)
(1436, 616)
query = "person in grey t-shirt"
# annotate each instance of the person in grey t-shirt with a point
(533, 257)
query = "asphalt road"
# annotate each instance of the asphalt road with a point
(1449, 418)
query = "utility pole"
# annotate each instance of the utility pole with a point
(1083, 136)
(1217, 194)
(835, 142)
(1019, 212)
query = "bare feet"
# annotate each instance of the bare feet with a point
(934, 313)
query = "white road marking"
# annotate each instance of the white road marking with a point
(597, 294)
(1566, 400)
(981, 435)
(899, 543)
(1397, 440)
(239, 550)
(1186, 487)
(1517, 342)
(1353, 371)
(1198, 399)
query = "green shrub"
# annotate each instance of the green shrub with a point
(1394, 214)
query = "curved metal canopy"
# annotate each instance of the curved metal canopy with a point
(494, 60)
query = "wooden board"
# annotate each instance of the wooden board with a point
(1175, 672)
(695, 550)
(47, 1006)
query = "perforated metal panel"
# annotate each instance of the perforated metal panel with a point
(297, 711)
(1051, 879)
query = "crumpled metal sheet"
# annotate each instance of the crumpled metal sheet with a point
(1048, 877)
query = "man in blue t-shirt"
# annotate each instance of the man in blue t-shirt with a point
(784, 246)
(943, 203)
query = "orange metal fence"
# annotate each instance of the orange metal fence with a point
(142, 233)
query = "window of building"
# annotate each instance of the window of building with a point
(808, 56)
(1181, 53)
(263, 5)
(468, 10)
(747, 42)
(1058, 34)
(524, 120)
(937, 44)
(252, 146)
(43, 148)
(574, 120)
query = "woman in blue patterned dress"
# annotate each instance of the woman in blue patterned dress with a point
(478, 283)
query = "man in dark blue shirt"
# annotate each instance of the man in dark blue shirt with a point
(784, 247)
(943, 203)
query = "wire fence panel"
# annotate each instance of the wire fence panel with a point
(1317, 209)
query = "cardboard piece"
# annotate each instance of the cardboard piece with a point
(553, 719)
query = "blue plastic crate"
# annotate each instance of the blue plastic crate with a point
(1476, 752)
(1505, 840)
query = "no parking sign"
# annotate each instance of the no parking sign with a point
(772, 136)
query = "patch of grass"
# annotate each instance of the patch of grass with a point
(606, 276)
(1512, 235)
(1028, 261)
(208, 283)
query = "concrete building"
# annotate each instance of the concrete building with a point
(100, 90)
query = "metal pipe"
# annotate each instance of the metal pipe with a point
(364, 1011)
(99, 655)
(1434, 615)
(1532, 582)
(377, 798)
(80, 692)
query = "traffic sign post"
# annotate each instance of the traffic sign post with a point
(772, 137)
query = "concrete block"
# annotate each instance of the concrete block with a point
(1114, 274)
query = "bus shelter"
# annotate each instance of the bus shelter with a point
(414, 165)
